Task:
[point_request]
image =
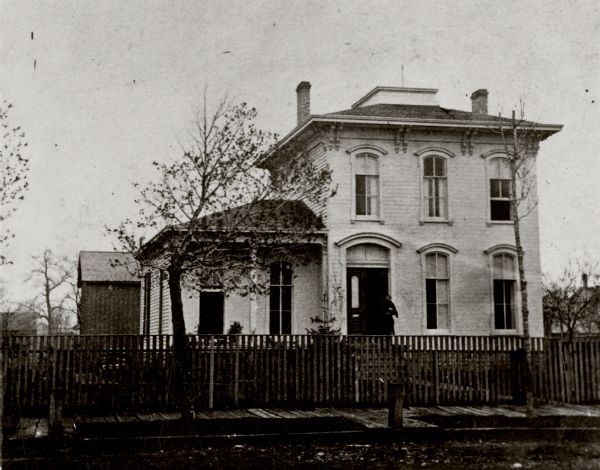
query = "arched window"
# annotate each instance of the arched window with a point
(435, 187)
(437, 292)
(280, 299)
(500, 189)
(504, 285)
(366, 185)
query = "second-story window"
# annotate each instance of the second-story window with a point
(366, 185)
(435, 187)
(500, 190)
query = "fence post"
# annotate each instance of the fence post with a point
(395, 396)
(55, 405)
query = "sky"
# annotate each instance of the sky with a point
(104, 88)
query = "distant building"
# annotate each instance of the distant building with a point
(110, 293)
(19, 322)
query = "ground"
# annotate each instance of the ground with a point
(445, 455)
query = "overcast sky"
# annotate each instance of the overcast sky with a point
(105, 87)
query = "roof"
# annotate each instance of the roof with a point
(106, 266)
(274, 215)
(414, 111)
(417, 115)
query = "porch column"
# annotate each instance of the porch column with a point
(325, 281)
(253, 300)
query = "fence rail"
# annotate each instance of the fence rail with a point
(99, 373)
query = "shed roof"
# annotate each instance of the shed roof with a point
(106, 266)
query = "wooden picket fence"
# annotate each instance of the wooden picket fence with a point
(94, 374)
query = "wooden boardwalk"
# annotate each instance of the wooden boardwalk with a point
(370, 418)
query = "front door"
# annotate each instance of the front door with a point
(211, 313)
(366, 287)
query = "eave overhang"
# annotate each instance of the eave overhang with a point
(544, 130)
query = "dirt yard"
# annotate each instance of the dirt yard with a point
(464, 455)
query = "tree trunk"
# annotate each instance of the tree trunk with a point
(181, 363)
(527, 382)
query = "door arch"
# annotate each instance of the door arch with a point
(367, 265)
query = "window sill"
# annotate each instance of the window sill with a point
(499, 222)
(437, 332)
(367, 219)
(504, 332)
(436, 221)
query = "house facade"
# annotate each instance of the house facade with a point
(418, 210)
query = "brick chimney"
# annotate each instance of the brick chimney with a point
(584, 278)
(303, 101)
(479, 104)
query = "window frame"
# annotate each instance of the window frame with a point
(279, 286)
(377, 153)
(448, 251)
(446, 155)
(505, 250)
(489, 158)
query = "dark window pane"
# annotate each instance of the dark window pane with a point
(360, 195)
(286, 298)
(286, 274)
(430, 291)
(508, 301)
(275, 273)
(274, 323)
(431, 316)
(274, 298)
(500, 210)
(440, 169)
(286, 322)
(505, 188)
(495, 188)
(428, 167)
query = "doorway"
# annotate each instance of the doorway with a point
(366, 288)
(211, 313)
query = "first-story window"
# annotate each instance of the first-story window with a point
(436, 290)
(504, 291)
(280, 299)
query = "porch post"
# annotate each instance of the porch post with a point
(253, 301)
(325, 281)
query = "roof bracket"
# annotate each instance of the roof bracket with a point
(401, 133)
(467, 140)
(330, 138)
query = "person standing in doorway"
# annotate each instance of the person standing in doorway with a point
(387, 313)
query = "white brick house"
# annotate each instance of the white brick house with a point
(419, 211)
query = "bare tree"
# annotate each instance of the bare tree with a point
(52, 274)
(571, 304)
(220, 215)
(520, 141)
(13, 173)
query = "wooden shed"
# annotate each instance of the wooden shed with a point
(110, 293)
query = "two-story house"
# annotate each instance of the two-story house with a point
(420, 211)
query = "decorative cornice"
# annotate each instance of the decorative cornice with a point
(433, 149)
(330, 136)
(359, 147)
(494, 152)
(501, 247)
(433, 246)
(365, 237)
